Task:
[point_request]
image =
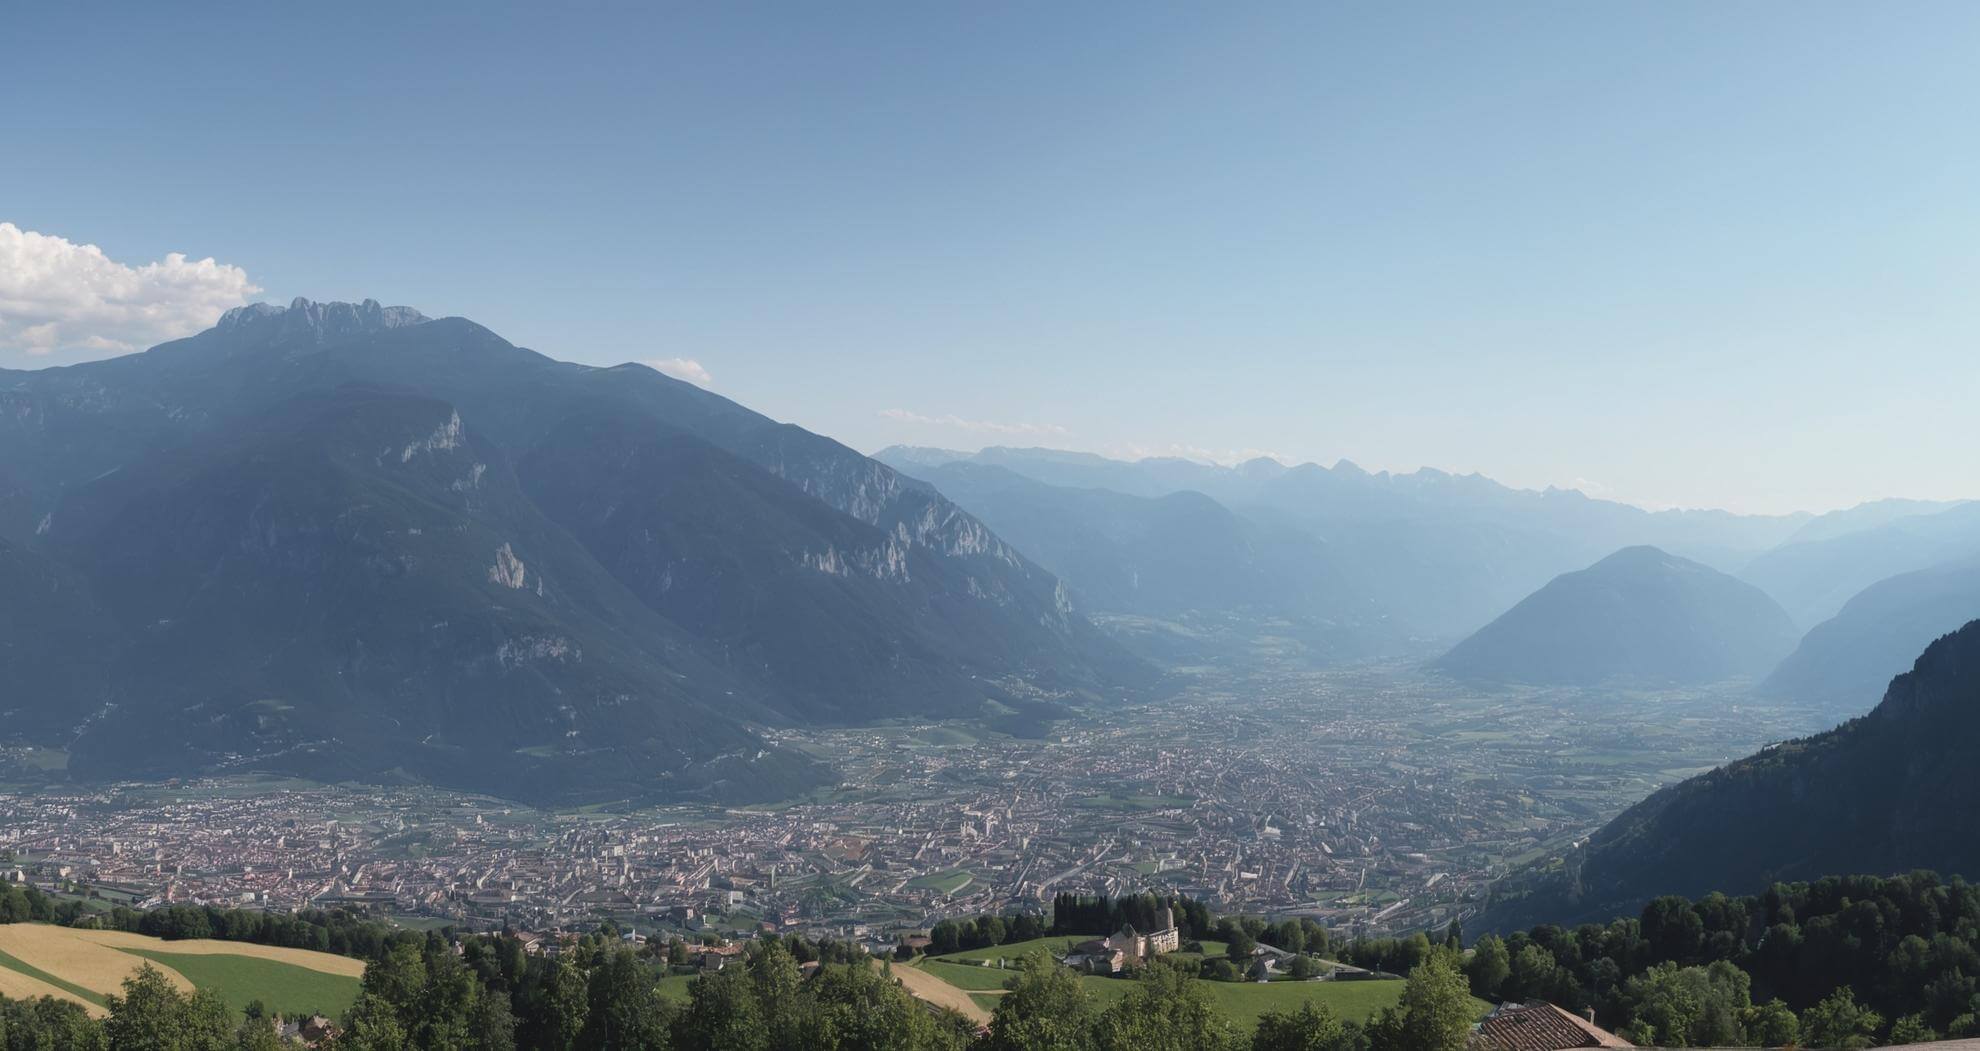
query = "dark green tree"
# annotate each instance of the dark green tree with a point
(1046, 1009)
(1165, 1012)
(1838, 1021)
(1311, 1028)
(1488, 967)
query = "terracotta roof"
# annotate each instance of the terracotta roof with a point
(1540, 1026)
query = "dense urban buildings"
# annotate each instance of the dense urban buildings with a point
(1372, 799)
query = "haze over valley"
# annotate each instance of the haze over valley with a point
(376, 547)
(989, 528)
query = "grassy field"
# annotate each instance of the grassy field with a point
(1244, 1002)
(22, 980)
(675, 986)
(90, 965)
(969, 976)
(283, 988)
(1241, 1002)
(1056, 945)
(944, 882)
(1013, 950)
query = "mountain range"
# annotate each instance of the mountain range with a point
(1812, 579)
(348, 540)
(1382, 564)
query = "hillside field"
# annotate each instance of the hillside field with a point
(1241, 1002)
(87, 966)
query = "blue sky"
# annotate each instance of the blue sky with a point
(1680, 254)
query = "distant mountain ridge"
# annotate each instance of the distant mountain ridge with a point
(1845, 661)
(1640, 615)
(1181, 557)
(372, 544)
(1439, 554)
(1885, 793)
(1813, 579)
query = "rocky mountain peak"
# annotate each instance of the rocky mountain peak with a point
(307, 321)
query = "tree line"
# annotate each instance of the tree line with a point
(345, 932)
(1048, 1008)
(1846, 962)
(1840, 962)
(150, 1015)
(1101, 914)
(980, 932)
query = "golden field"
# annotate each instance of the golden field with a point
(87, 966)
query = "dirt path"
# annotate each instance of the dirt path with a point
(924, 986)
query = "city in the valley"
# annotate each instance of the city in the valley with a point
(1374, 799)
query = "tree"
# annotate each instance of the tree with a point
(257, 1034)
(1840, 1022)
(722, 1014)
(851, 1006)
(149, 1014)
(1311, 1028)
(372, 1024)
(205, 1023)
(1673, 929)
(1488, 967)
(625, 1007)
(1165, 1012)
(1911, 1029)
(1772, 1025)
(48, 1024)
(443, 1009)
(1045, 1010)
(553, 1014)
(1533, 973)
(1454, 934)
(1436, 1006)
(396, 977)
(493, 1027)
(1689, 1006)
(774, 978)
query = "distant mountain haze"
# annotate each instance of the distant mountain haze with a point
(1171, 556)
(1813, 579)
(1845, 661)
(1440, 554)
(1863, 516)
(347, 540)
(1638, 616)
(1885, 793)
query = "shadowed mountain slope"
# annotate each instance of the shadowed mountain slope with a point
(1639, 615)
(1885, 793)
(345, 539)
(1844, 661)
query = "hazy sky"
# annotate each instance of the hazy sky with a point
(1683, 254)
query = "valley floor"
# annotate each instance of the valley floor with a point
(1375, 798)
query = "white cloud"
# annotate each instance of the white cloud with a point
(62, 300)
(683, 369)
(979, 426)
